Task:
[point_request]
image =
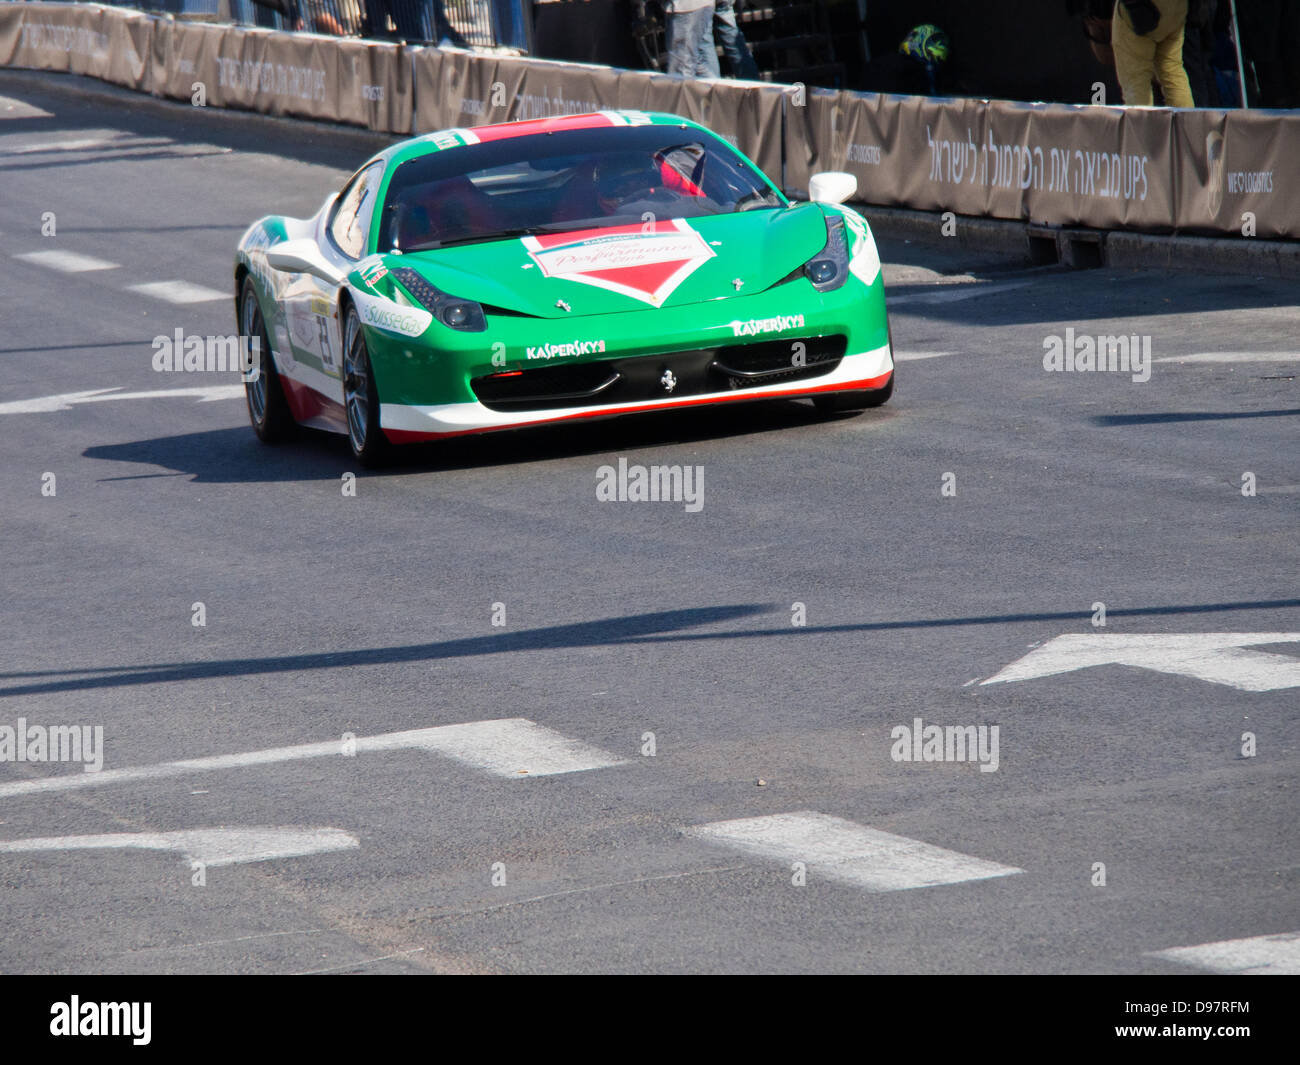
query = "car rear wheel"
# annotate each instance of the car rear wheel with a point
(361, 396)
(268, 410)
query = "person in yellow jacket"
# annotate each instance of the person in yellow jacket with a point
(1147, 36)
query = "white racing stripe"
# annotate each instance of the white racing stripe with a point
(179, 292)
(511, 747)
(67, 262)
(849, 853)
(1277, 955)
(211, 846)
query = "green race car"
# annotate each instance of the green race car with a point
(577, 267)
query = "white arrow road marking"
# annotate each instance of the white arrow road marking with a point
(65, 401)
(1234, 356)
(211, 846)
(849, 853)
(66, 261)
(179, 292)
(1261, 955)
(509, 747)
(1217, 657)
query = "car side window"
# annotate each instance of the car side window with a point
(351, 222)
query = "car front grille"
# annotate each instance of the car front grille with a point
(675, 374)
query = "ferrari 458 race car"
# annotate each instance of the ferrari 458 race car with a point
(577, 267)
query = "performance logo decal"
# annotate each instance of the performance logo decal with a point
(647, 262)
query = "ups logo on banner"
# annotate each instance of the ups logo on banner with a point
(1215, 164)
(839, 138)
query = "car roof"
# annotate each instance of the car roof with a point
(441, 140)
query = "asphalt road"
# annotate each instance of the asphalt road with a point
(373, 614)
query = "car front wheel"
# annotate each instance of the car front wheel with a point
(361, 396)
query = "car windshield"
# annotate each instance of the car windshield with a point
(566, 180)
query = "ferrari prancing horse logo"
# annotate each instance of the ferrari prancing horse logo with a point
(668, 380)
(647, 262)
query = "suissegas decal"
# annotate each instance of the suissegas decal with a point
(391, 317)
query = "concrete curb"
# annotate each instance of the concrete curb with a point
(1089, 248)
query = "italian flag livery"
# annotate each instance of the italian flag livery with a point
(533, 272)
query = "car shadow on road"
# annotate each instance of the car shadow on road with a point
(235, 456)
(665, 626)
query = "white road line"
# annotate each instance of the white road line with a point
(916, 356)
(211, 846)
(952, 293)
(1277, 955)
(68, 262)
(179, 292)
(1234, 356)
(840, 850)
(1216, 657)
(66, 400)
(511, 747)
(62, 146)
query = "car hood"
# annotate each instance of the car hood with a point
(625, 268)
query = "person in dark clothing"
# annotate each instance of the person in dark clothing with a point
(1270, 42)
(1198, 48)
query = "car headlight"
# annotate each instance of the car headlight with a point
(829, 268)
(465, 315)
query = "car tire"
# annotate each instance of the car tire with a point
(844, 402)
(361, 396)
(268, 410)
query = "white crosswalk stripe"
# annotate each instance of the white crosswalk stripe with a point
(849, 853)
(67, 262)
(510, 747)
(211, 846)
(1276, 955)
(179, 292)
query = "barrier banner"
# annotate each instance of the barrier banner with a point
(70, 38)
(1200, 171)
(11, 29)
(1056, 164)
(1239, 172)
(459, 89)
(374, 86)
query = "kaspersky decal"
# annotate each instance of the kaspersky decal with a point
(647, 262)
(559, 351)
(390, 316)
(779, 324)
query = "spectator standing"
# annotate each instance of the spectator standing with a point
(1198, 48)
(689, 31)
(1270, 41)
(734, 46)
(1147, 36)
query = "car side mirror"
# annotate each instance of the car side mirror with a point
(302, 257)
(832, 186)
